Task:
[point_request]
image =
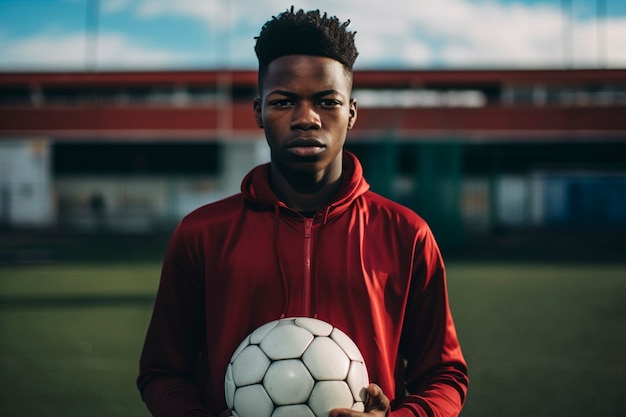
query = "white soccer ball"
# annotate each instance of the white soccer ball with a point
(295, 367)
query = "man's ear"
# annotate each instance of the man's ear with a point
(353, 113)
(257, 112)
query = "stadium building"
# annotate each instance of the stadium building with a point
(474, 152)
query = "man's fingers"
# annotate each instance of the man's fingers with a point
(376, 399)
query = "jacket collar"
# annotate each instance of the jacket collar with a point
(256, 188)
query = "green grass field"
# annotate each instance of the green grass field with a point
(541, 340)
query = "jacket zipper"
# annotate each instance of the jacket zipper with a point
(308, 225)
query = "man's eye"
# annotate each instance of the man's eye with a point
(281, 103)
(329, 102)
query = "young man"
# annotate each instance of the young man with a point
(305, 237)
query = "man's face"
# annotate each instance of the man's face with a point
(306, 110)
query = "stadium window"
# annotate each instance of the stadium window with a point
(388, 98)
(136, 159)
(15, 96)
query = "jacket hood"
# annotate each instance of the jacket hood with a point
(256, 187)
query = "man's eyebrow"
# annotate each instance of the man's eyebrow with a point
(327, 93)
(282, 93)
(293, 95)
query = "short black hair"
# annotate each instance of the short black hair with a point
(305, 33)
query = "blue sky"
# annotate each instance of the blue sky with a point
(44, 35)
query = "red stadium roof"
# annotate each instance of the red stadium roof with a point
(232, 120)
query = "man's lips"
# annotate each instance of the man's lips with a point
(305, 147)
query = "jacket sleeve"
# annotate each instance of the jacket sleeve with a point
(167, 369)
(435, 372)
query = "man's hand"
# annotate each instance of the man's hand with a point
(376, 405)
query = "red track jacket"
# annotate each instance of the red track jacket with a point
(367, 265)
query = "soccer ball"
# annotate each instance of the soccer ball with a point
(295, 367)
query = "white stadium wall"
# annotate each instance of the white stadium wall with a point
(26, 192)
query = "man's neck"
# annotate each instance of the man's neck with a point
(305, 196)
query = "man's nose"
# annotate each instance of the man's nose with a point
(305, 117)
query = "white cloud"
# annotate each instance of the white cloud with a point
(616, 39)
(458, 33)
(113, 6)
(188, 8)
(390, 33)
(418, 33)
(502, 35)
(594, 45)
(464, 33)
(70, 52)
